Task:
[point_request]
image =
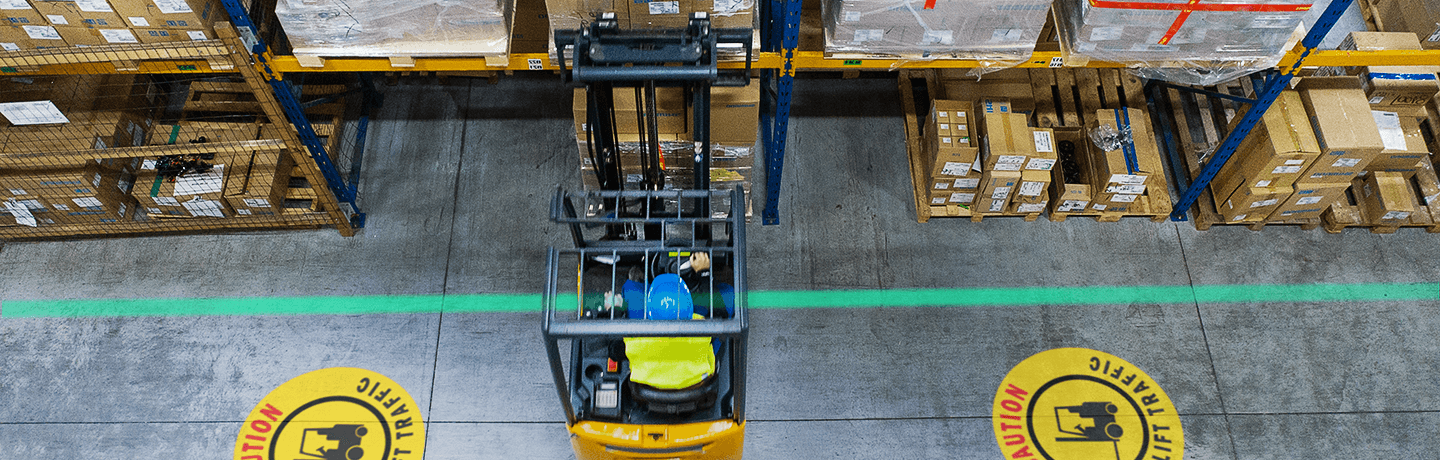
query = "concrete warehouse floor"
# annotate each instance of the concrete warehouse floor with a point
(457, 183)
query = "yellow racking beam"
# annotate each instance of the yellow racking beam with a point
(517, 61)
(816, 60)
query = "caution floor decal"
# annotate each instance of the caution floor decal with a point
(1076, 403)
(340, 413)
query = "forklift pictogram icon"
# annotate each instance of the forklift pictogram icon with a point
(1102, 424)
(345, 437)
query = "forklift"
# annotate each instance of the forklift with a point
(653, 301)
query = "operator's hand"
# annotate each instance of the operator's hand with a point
(699, 261)
(613, 300)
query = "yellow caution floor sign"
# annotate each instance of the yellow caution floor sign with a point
(1081, 404)
(340, 413)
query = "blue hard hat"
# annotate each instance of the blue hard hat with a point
(669, 299)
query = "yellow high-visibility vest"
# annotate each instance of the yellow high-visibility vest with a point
(670, 363)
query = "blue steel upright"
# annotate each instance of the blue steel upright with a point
(781, 33)
(1275, 83)
(344, 192)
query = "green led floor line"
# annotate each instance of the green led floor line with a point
(859, 298)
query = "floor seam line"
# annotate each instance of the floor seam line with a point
(449, 253)
(1205, 337)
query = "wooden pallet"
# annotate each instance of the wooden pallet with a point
(1370, 15)
(1351, 213)
(915, 149)
(1068, 98)
(1200, 123)
(1062, 98)
(222, 97)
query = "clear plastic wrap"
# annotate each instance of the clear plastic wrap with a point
(1202, 43)
(396, 28)
(656, 14)
(1000, 33)
(1107, 138)
(661, 14)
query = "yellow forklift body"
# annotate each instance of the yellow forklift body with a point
(717, 440)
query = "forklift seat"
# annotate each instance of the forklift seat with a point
(675, 402)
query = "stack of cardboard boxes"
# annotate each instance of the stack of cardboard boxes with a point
(246, 183)
(1119, 179)
(734, 127)
(81, 195)
(57, 24)
(986, 158)
(1331, 140)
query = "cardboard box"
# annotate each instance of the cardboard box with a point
(14, 38)
(1387, 198)
(1427, 185)
(86, 13)
(993, 105)
(20, 13)
(1111, 168)
(1340, 115)
(171, 14)
(1387, 86)
(1405, 148)
(192, 195)
(151, 36)
(87, 194)
(1415, 16)
(1071, 196)
(22, 37)
(1045, 156)
(996, 189)
(1031, 206)
(1033, 185)
(952, 197)
(88, 36)
(92, 179)
(661, 14)
(1253, 204)
(955, 183)
(1309, 200)
(670, 113)
(83, 93)
(85, 131)
(573, 14)
(257, 187)
(951, 156)
(1008, 141)
(735, 113)
(102, 207)
(1278, 150)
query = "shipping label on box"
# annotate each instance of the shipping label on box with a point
(1072, 205)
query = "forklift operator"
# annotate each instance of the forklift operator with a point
(670, 363)
(673, 363)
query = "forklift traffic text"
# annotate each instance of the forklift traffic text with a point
(1074, 403)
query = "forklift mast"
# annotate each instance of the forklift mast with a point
(605, 58)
